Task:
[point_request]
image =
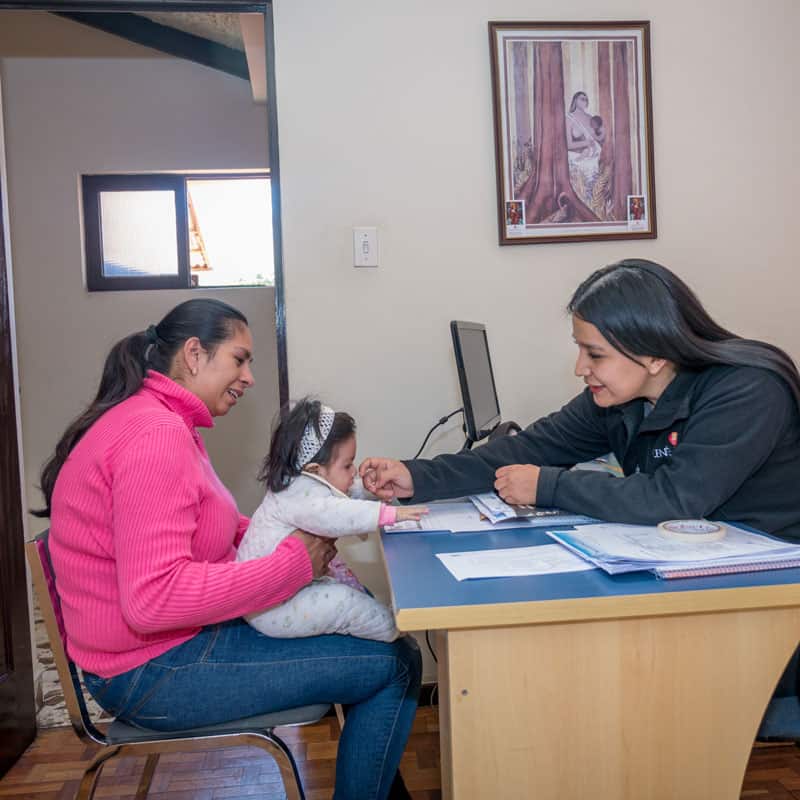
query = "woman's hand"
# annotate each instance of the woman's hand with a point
(517, 483)
(321, 551)
(386, 478)
(405, 513)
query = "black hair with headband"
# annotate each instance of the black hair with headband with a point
(280, 466)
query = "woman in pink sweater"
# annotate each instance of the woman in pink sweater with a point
(144, 539)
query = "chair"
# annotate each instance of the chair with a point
(121, 739)
(781, 720)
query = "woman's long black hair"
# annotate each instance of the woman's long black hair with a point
(643, 309)
(574, 104)
(280, 465)
(211, 321)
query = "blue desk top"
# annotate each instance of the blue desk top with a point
(420, 581)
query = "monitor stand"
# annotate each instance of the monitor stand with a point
(509, 428)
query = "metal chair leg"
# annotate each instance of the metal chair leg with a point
(89, 780)
(147, 776)
(278, 749)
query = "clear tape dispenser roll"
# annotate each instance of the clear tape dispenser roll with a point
(692, 530)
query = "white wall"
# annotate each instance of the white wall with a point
(390, 124)
(69, 116)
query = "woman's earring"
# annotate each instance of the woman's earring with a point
(194, 371)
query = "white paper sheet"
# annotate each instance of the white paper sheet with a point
(512, 562)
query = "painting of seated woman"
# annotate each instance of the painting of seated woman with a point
(573, 127)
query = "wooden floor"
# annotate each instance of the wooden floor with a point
(52, 766)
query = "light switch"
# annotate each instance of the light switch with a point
(365, 247)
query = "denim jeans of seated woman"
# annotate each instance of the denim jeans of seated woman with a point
(230, 670)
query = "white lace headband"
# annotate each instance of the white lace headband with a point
(311, 443)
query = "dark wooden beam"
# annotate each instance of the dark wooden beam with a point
(167, 40)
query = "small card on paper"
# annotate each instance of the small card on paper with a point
(497, 510)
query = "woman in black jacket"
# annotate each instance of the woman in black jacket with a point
(703, 422)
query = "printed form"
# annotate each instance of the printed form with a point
(512, 562)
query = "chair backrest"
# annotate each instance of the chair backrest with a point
(44, 583)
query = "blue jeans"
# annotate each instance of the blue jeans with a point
(230, 670)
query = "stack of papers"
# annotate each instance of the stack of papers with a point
(457, 517)
(628, 548)
(463, 516)
(496, 510)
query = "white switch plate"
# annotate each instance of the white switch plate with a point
(365, 247)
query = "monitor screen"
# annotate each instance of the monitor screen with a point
(478, 392)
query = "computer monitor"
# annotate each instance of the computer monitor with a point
(478, 391)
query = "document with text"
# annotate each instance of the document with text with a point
(511, 562)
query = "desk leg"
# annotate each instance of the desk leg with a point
(631, 709)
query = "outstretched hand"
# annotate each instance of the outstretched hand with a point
(415, 513)
(386, 478)
(517, 483)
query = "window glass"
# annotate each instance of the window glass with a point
(138, 233)
(230, 231)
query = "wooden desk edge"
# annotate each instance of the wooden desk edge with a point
(581, 609)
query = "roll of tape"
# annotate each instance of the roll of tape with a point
(692, 530)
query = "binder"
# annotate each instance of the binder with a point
(619, 548)
(721, 569)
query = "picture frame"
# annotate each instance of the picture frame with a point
(573, 126)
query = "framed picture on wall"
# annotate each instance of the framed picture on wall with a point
(573, 131)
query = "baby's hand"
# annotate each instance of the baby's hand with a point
(410, 512)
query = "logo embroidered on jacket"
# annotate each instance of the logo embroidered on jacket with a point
(673, 438)
(662, 452)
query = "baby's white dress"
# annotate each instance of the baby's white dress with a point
(325, 606)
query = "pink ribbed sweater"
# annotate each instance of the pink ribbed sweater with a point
(143, 536)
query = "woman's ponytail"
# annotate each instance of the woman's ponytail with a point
(126, 366)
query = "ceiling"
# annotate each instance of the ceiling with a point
(233, 43)
(220, 28)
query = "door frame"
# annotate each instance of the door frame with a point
(18, 725)
(11, 496)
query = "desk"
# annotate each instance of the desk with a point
(583, 685)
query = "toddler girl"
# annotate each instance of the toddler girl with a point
(309, 472)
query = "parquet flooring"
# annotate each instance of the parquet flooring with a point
(52, 766)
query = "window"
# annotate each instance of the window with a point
(170, 231)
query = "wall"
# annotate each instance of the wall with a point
(390, 124)
(42, 34)
(65, 117)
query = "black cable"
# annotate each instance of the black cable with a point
(422, 447)
(436, 660)
(430, 646)
(440, 422)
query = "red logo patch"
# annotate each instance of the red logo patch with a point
(673, 438)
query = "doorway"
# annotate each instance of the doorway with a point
(16, 674)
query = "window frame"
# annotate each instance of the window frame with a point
(93, 185)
